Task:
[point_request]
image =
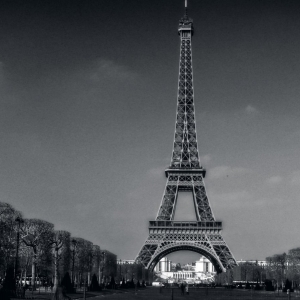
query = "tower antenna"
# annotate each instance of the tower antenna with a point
(185, 8)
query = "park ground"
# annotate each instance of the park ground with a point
(153, 293)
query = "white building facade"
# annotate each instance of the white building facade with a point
(164, 265)
(201, 271)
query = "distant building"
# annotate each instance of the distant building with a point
(258, 262)
(197, 272)
(125, 261)
(203, 265)
(164, 265)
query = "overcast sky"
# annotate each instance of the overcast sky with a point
(88, 101)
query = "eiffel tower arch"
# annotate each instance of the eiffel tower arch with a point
(185, 174)
(203, 248)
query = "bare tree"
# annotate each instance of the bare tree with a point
(276, 267)
(84, 256)
(59, 242)
(36, 234)
(96, 268)
(8, 234)
(24, 260)
(293, 259)
(257, 272)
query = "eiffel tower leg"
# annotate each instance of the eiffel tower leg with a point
(222, 251)
(168, 204)
(202, 207)
(146, 253)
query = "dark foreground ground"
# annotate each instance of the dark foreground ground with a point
(153, 293)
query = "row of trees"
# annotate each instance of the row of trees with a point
(128, 271)
(31, 246)
(276, 269)
(284, 266)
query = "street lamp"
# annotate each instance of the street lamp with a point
(74, 242)
(19, 221)
(120, 270)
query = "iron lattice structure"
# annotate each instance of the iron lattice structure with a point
(185, 174)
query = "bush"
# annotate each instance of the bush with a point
(130, 284)
(123, 285)
(94, 287)
(287, 286)
(4, 294)
(269, 286)
(112, 282)
(257, 287)
(9, 284)
(67, 284)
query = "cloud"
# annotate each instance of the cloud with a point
(250, 109)
(274, 179)
(154, 172)
(105, 68)
(84, 209)
(225, 171)
(236, 197)
(295, 178)
(205, 159)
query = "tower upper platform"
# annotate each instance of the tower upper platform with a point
(185, 23)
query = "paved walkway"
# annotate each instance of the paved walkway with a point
(152, 293)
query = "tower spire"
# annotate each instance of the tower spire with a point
(185, 9)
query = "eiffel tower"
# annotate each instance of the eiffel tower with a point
(185, 174)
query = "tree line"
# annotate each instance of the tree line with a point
(33, 248)
(283, 267)
(274, 272)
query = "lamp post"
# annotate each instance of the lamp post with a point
(90, 266)
(120, 270)
(74, 242)
(19, 221)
